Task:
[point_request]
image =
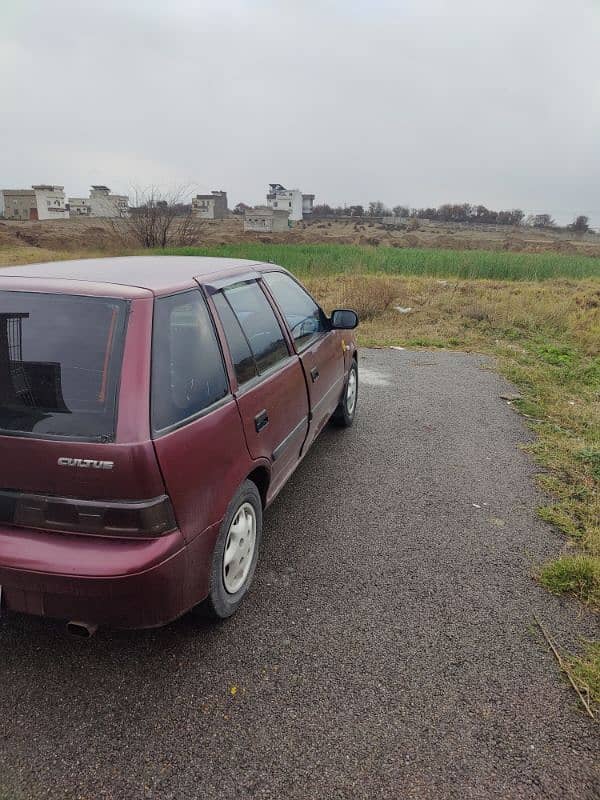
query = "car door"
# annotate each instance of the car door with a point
(196, 428)
(321, 349)
(271, 391)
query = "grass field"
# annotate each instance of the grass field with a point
(537, 314)
(330, 259)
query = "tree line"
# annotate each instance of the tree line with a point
(453, 212)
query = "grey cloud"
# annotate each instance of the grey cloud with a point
(407, 102)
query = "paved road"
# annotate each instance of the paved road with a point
(387, 649)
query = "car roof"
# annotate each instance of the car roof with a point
(157, 274)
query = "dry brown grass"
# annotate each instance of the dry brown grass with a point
(467, 314)
(369, 296)
(13, 255)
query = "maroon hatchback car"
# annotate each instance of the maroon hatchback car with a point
(150, 409)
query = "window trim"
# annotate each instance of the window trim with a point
(262, 376)
(156, 433)
(159, 432)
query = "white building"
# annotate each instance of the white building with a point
(210, 206)
(266, 220)
(100, 203)
(50, 201)
(105, 204)
(42, 201)
(292, 200)
(307, 204)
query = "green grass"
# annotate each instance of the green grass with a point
(585, 669)
(330, 259)
(578, 574)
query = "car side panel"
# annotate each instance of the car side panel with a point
(282, 395)
(323, 364)
(203, 463)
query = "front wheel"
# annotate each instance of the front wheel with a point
(235, 554)
(344, 413)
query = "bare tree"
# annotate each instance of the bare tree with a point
(158, 219)
(378, 209)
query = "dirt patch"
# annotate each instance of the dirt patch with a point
(95, 234)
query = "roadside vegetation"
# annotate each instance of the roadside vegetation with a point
(331, 259)
(537, 314)
(9, 256)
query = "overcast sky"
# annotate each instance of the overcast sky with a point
(417, 102)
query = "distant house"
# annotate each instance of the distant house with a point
(19, 204)
(292, 200)
(42, 201)
(307, 204)
(105, 204)
(210, 206)
(80, 207)
(266, 220)
(51, 201)
(100, 203)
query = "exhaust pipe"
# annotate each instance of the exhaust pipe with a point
(84, 630)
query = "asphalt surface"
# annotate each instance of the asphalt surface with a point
(387, 649)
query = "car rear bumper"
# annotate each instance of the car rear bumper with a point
(116, 583)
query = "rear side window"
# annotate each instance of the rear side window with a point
(60, 364)
(259, 323)
(188, 373)
(302, 314)
(241, 355)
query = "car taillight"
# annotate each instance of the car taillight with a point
(145, 518)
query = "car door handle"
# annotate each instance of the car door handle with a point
(314, 374)
(261, 420)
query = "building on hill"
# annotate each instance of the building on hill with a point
(42, 201)
(105, 204)
(19, 204)
(210, 206)
(299, 205)
(50, 201)
(80, 207)
(307, 204)
(264, 219)
(100, 203)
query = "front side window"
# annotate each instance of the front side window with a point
(188, 374)
(259, 323)
(302, 314)
(60, 364)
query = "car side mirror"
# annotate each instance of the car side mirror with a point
(344, 319)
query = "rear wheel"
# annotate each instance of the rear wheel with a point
(344, 413)
(235, 554)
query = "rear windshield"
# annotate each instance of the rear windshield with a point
(60, 360)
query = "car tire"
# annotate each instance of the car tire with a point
(233, 564)
(344, 414)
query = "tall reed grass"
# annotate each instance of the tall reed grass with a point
(329, 259)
